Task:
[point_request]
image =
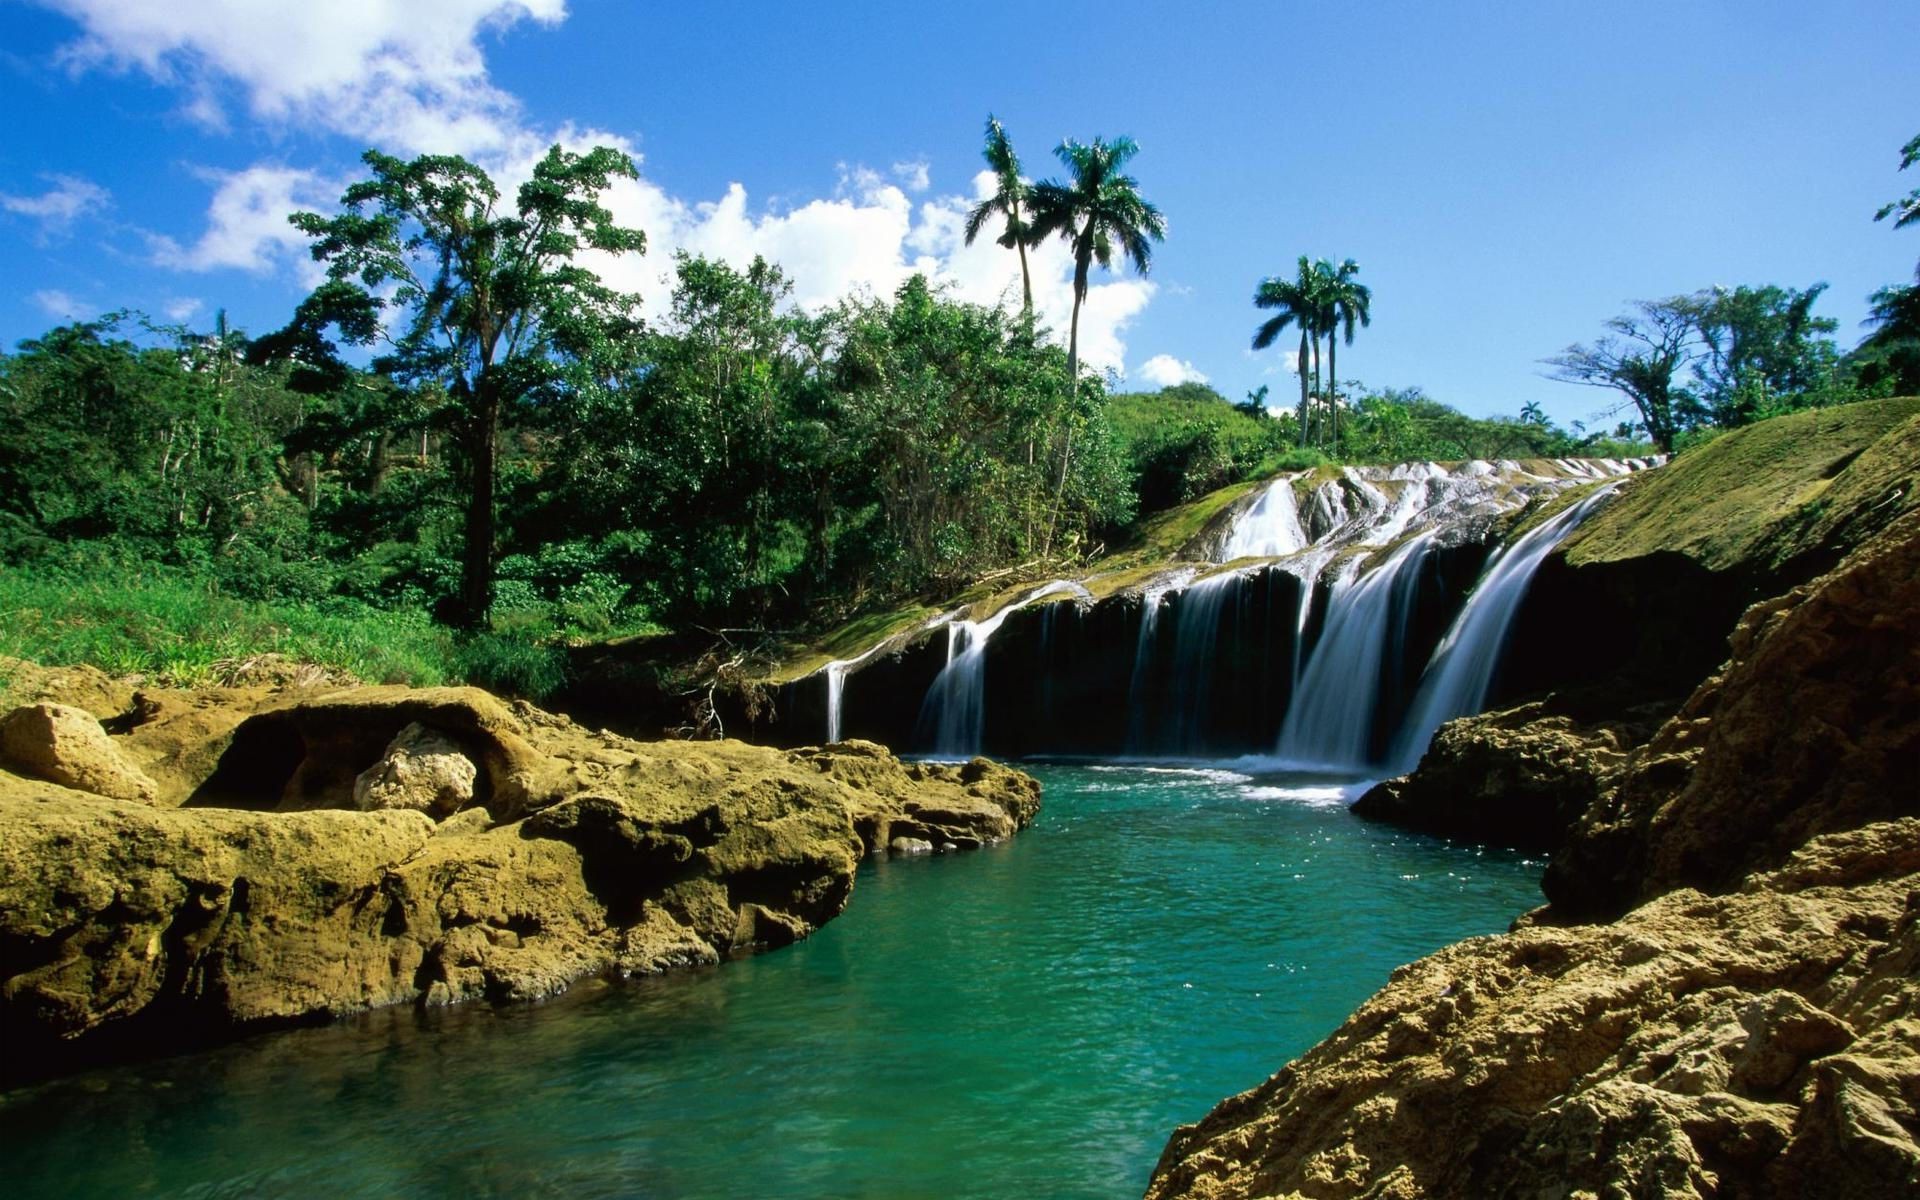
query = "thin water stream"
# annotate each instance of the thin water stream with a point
(1029, 1020)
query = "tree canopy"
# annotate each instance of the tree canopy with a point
(492, 306)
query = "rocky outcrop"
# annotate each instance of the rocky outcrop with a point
(65, 745)
(1765, 1043)
(269, 896)
(1813, 727)
(1749, 1027)
(1667, 568)
(1520, 778)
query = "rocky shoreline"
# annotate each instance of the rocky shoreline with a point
(1722, 997)
(239, 858)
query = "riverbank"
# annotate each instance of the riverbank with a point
(232, 859)
(1720, 998)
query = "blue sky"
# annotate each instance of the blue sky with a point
(1506, 174)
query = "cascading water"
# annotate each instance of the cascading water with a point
(1195, 639)
(1330, 667)
(836, 690)
(953, 715)
(1271, 528)
(1146, 643)
(1457, 677)
(1330, 722)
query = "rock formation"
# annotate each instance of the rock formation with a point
(1749, 1027)
(66, 745)
(1520, 777)
(258, 891)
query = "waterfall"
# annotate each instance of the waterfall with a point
(1240, 660)
(836, 688)
(1270, 528)
(1457, 677)
(1330, 722)
(1140, 695)
(953, 715)
(1196, 634)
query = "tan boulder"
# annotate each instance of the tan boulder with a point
(423, 770)
(67, 746)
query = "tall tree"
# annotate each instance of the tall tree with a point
(1343, 302)
(1756, 343)
(1906, 210)
(1639, 357)
(1098, 208)
(490, 304)
(1298, 302)
(1009, 196)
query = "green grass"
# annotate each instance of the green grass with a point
(176, 631)
(1769, 492)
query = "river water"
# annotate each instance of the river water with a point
(1031, 1020)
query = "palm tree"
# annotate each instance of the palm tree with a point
(1343, 302)
(1298, 300)
(1099, 208)
(1096, 210)
(1010, 191)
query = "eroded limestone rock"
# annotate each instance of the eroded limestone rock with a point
(1519, 778)
(270, 897)
(422, 770)
(67, 746)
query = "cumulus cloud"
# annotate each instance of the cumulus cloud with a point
(913, 176)
(62, 306)
(413, 77)
(247, 225)
(407, 73)
(56, 209)
(1164, 370)
(869, 238)
(181, 309)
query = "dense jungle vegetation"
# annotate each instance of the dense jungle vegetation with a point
(464, 450)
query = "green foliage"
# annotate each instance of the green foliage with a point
(1721, 357)
(494, 312)
(1186, 440)
(177, 627)
(513, 664)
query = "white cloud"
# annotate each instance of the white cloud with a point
(1164, 370)
(61, 306)
(57, 208)
(407, 73)
(869, 238)
(247, 225)
(412, 77)
(181, 309)
(914, 175)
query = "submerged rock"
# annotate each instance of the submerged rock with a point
(269, 895)
(1751, 1027)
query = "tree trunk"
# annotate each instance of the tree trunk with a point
(476, 566)
(1333, 391)
(1300, 363)
(1026, 280)
(1316, 379)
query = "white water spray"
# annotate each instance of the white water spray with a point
(1461, 669)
